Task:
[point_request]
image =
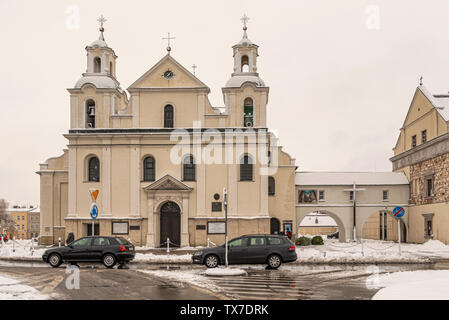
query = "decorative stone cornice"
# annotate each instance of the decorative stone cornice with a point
(431, 149)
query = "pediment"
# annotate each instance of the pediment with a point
(154, 78)
(168, 182)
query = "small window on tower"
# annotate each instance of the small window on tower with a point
(424, 136)
(245, 64)
(248, 112)
(90, 113)
(97, 65)
(111, 71)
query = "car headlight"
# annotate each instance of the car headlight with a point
(198, 253)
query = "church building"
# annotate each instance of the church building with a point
(161, 156)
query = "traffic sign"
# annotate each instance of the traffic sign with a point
(94, 211)
(398, 212)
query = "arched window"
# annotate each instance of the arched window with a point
(245, 64)
(97, 65)
(149, 168)
(246, 168)
(90, 113)
(271, 186)
(168, 116)
(111, 71)
(94, 169)
(188, 168)
(248, 112)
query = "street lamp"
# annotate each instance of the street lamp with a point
(225, 204)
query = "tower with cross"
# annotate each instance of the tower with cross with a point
(102, 20)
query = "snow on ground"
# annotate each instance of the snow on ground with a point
(222, 271)
(11, 289)
(163, 258)
(413, 285)
(192, 277)
(21, 249)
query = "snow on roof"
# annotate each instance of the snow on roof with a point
(439, 101)
(348, 178)
(100, 82)
(317, 220)
(238, 80)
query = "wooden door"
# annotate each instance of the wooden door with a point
(170, 224)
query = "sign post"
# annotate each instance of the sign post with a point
(94, 208)
(225, 204)
(398, 213)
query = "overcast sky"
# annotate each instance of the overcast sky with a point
(340, 80)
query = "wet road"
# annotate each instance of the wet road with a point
(289, 282)
(102, 283)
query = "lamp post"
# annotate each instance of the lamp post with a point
(225, 204)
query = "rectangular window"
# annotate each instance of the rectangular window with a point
(385, 195)
(321, 195)
(429, 187)
(424, 136)
(351, 195)
(428, 225)
(413, 141)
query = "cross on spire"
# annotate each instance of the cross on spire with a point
(168, 42)
(102, 20)
(420, 80)
(244, 20)
(194, 68)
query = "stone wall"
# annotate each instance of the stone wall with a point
(437, 167)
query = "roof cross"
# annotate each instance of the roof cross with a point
(244, 20)
(194, 68)
(102, 20)
(168, 42)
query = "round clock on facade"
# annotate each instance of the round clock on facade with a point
(168, 74)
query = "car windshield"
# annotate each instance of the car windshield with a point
(122, 240)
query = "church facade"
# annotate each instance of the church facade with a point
(161, 156)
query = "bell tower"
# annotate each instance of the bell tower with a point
(97, 94)
(245, 94)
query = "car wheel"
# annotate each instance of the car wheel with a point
(211, 261)
(274, 261)
(55, 260)
(109, 260)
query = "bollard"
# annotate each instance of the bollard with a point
(363, 252)
(32, 246)
(168, 245)
(59, 241)
(208, 242)
(13, 246)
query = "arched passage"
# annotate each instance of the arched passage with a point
(338, 226)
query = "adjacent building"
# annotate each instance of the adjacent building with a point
(361, 203)
(422, 153)
(27, 221)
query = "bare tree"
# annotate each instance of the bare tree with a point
(7, 223)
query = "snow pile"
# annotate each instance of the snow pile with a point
(414, 285)
(435, 244)
(163, 258)
(20, 250)
(225, 272)
(11, 289)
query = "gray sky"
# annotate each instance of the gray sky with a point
(339, 91)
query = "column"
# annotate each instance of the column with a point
(134, 176)
(150, 230)
(135, 110)
(201, 108)
(74, 112)
(105, 170)
(185, 221)
(72, 181)
(263, 205)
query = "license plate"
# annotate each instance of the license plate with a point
(131, 249)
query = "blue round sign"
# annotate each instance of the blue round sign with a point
(94, 211)
(398, 212)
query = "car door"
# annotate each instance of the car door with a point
(257, 249)
(97, 248)
(237, 250)
(79, 250)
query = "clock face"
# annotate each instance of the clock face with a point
(168, 74)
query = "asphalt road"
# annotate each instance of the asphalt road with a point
(105, 284)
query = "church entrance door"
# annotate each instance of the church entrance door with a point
(170, 223)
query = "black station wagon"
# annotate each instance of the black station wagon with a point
(108, 250)
(270, 249)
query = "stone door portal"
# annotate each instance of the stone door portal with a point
(170, 224)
